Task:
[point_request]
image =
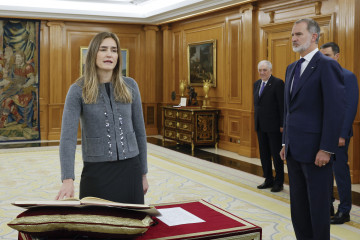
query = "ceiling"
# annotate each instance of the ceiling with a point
(129, 11)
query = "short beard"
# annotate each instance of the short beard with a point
(302, 48)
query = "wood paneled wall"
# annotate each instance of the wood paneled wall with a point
(233, 94)
(244, 34)
(60, 66)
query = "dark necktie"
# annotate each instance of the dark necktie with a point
(297, 74)
(262, 88)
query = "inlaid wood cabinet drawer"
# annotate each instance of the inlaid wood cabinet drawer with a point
(185, 126)
(184, 137)
(170, 123)
(170, 134)
(169, 113)
(186, 116)
(193, 126)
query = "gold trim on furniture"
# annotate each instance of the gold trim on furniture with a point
(170, 123)
(170, 113)
(170, 134)
(184, 116)
(193, 126)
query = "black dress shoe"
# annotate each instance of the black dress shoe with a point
(332, 211)
(265, 185)
(340, 218)
(277, 188)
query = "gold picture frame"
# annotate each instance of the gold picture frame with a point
(125, 62)
(202, 62)
(83, 52)
(124, 56)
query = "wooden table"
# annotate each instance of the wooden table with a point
(191, 125)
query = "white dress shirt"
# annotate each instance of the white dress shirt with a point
(307, 58)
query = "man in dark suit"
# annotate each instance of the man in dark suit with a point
(314, 107)
(340, 165)
(269, 108)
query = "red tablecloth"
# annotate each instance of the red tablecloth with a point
(218, 224)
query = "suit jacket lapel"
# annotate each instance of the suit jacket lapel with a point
(288, 81)
(267, 86)
(306, 74)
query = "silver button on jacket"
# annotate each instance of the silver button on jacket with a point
(109, 132)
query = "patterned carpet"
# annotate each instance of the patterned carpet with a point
(34, 174)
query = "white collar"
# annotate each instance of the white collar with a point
(262, 81)
(310, 55)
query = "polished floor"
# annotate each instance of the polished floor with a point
(32, 173)
(218, 156)
(225, 158)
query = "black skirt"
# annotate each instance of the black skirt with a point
(118, 181)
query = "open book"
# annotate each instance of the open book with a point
(87, 201)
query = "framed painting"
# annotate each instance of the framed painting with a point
(202, 62)
(83, 52)
(125, 62)
(19, 80)
(124, 58)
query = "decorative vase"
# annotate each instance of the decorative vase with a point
(182, 87)
(206, 87)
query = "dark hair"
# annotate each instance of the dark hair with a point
(312, 26)
(335, 48)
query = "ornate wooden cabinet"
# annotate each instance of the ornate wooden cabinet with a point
(193, 126)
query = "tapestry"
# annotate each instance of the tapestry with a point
(19, 80)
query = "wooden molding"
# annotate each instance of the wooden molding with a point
(318, 7)
(55, 23)
(151, 28)
(322, 20)
(279, 5)
(165, 28)
(282, 7)
(272, 16)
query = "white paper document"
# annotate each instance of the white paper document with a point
(182, 102)
(177, 216)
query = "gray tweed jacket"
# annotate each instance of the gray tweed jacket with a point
(109, 132)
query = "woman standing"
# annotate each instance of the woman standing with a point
(112, 129)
